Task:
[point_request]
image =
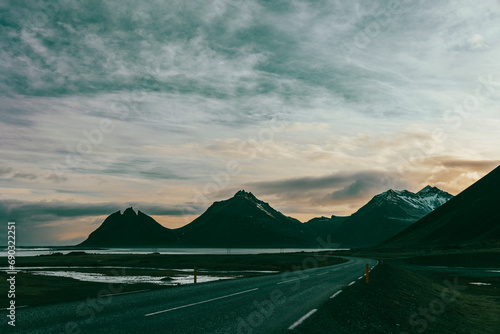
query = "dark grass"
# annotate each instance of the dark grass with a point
(393, 300)
(452, 257)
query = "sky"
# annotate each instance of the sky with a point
(167, 106)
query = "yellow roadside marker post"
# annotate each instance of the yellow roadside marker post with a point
(194, 275)
(367, 269)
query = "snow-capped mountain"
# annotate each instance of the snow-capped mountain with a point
(471, 219)
(415, 205)
(388, 214)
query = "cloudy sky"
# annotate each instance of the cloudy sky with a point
(314, 106)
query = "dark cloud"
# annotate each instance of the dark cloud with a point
(346, 183)
(39, 223)
(5, 171)
(362, 185)
(461, 165)
(14, 119)
(481, 165)
(28, 176)
(346, 188)
(144, 168)
(36, 212)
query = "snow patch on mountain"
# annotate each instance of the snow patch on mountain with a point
(427, 199)
(262, 208)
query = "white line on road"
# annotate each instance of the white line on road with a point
(336, 294)
(352, 283)
(322, 274)
(205, 301)
(124, 293)
(301, 320)
(291, 280)
(360, 277)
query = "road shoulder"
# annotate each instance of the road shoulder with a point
(399, 300)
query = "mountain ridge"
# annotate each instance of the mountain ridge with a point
(387, 214)
(245, 221)
(471, 219)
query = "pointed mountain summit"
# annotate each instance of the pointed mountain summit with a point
(130, 229)
(388, 214)
(471, 219)
(245, 221)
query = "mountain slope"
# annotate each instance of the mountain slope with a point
(130, 230)
(472, 218)
(325, 228)
(245, 221)
(388, 214)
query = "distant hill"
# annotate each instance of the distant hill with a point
(388, 214)
(326, 228)
(130, 230)
(471, 219)
(245, 221)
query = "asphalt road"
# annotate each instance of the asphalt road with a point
(265, 304)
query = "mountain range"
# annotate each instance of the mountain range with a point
(241, 221)
(387, 214)
(471, 219)
(246, 221)
(393, 219)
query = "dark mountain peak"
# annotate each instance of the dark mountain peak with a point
(434, 192)
(246, 195)
(389, 195)
(391, 192)
(129, 212)
(115, 214)
(428, 189)
(245, 221)
(242, 193)
(130, 230)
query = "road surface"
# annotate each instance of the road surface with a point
(265, 304)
